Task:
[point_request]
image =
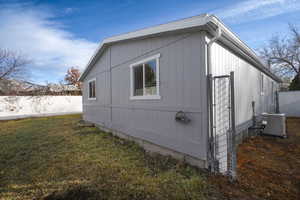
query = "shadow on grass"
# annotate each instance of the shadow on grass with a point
(80, 192)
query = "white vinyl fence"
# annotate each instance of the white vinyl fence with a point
(289, 103)
(13, 107)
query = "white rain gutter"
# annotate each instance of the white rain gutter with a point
(218, 34)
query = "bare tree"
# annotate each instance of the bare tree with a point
(12, 65)
(283, 54)
(72, 77)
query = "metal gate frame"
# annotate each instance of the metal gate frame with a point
(214, 137)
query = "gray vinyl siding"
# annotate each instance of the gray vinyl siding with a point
(98, 111)
(182, 87)
(247, 84)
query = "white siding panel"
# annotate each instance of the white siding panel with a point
(247, 83)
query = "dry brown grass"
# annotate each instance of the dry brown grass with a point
(268, 167)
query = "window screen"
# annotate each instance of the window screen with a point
(145, 78)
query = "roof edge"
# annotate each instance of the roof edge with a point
(181, 24)
(232, 37)
(186, 23)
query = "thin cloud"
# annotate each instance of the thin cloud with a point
(69, 10)
(33, 32)
(251, 10)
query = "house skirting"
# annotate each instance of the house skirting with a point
(154, 148)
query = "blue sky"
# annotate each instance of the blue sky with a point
(57, 34)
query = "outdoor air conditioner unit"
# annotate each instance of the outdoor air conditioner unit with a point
(275, 124)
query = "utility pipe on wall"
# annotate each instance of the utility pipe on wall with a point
(210, 139)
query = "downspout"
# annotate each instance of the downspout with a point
(210, 138)
(209, 45)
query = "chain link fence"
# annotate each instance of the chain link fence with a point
(223, 124)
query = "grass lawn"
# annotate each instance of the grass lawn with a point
(54, 158)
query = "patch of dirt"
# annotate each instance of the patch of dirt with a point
(82, 123)
(268, 167)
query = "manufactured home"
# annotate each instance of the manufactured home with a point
(183, 88)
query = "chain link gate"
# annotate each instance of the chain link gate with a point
(222, 115)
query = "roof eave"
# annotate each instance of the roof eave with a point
(229, 35)
(187, 23)
(202, 21)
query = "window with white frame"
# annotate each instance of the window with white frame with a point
(92, 89)
(144, 75)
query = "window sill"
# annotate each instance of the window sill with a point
(147, 97)
(92, 99)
